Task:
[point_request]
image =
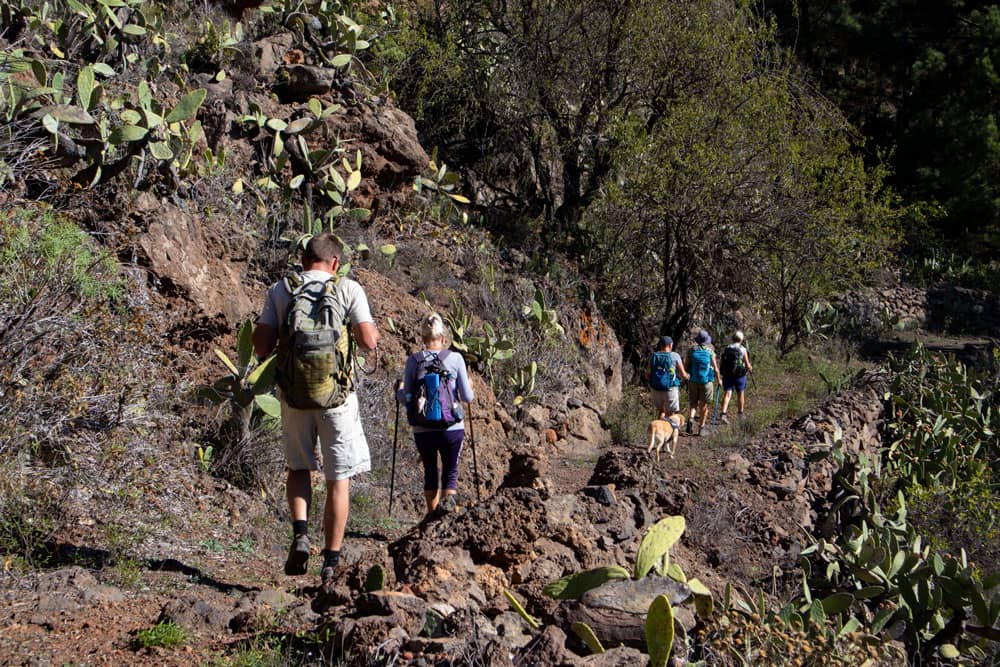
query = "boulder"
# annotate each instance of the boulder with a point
(176, 251)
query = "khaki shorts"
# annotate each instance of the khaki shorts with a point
(667, 400)
(700, 393)
(339, 434)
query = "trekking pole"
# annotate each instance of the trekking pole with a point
(475, 464)
(395, 439)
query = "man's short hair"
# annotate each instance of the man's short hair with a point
(324, 247)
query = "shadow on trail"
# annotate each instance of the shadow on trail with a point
(60, 554)
(196, 575)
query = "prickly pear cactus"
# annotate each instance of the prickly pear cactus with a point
(572, 586)
(375, 579)
(703, 601)
(586, 633)
(528, 618)
(659, 631)
(658, 540)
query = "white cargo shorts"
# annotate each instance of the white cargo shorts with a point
(338, 433)
(667, 400)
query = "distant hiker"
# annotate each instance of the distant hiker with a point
(664, 373)
(434, 383)
(704, 369)
(735, 367)
(306, 318)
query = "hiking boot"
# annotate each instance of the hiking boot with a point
(331, 559)
(689, 429)
(298, 556)
(725, 418)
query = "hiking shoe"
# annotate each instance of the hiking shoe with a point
(449, 503)
(330, 562)
(298, 556)
(689, 429)
(725, 418)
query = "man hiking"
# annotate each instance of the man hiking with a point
(664, 373)
(735, 368)
(704, 369)
(306, 317)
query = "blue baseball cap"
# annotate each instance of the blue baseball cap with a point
(666, 340)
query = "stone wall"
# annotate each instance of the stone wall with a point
(955, 309)
(943, 308)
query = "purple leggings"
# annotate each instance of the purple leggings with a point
(449, 445)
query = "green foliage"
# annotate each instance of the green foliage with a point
(528, 618)
(940, 435)
(943, 423)
(934, 265)
(484, 350)
(164, 633)
(375, 579)
(217, 45)
(335, 38)
(523, 384)
(59, 256)
(248, 383)
(435, 188)
(205, 458)
(572, 586)
(544, 320)
(659, 631)
(657, 542)
(926, 98)
(587, 636)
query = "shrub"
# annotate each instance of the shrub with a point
(164, 633)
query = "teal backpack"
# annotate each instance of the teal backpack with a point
(701, 365)
(664, 373)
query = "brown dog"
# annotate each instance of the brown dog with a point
(665, 432)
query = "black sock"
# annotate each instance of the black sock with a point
(331, 558)
(300, 528)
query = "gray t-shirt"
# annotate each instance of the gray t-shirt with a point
(349, 293)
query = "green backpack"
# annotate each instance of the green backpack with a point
(314, 346)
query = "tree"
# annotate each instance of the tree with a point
(921, 80)
(748, 190)
(526, 93)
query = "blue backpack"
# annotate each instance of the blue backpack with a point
(433, 403)
(664, 373)
(701, 365)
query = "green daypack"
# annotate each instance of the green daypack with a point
(314, 346)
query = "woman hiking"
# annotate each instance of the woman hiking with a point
(433, 382)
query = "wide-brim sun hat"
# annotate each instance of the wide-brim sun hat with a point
(702, 337)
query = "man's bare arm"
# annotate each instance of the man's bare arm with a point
(367, 335)
(264, 338)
